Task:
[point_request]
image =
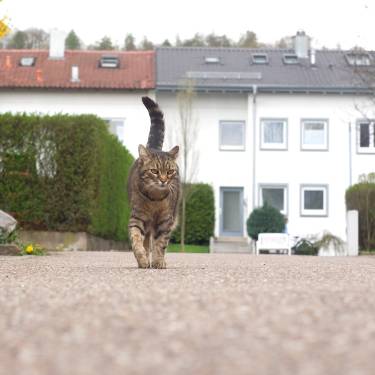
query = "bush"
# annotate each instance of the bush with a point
(64, 173)
(361, 197)
(305, 247)
(266, 219)
(200, 216)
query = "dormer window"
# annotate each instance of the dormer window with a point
(27, 61)
(358, 59)
(259, 58)
(290, 58)
(212, 60)
(111, 62)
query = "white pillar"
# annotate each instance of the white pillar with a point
(352, 232)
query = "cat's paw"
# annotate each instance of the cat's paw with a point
(160, 263)
(143, 263)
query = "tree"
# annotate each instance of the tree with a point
(186, 134)
(37, 38)
(146, 45)
(213, 40)
(166, 43)
(104, 44)
(72, 41)
(248, 40)
(196, 41)
(18, 40)
(129, 44)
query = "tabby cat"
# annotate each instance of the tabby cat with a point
(153, 190)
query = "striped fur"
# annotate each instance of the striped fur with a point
(157, 129)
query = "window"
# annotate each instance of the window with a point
(116, 127)
(314, 200)
(27, 61)
(275, 196)
(314, 135)
(111, 62)
(212, 60)
(358, 59)
(366, 137)
(273, 134)
(232, 135)
(290, 59)
(259, 58)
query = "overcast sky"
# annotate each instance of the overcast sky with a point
(329, 22)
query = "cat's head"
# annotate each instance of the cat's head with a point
(158, 170)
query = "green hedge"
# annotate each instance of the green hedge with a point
(64, 173)
(266, 219)
(361, 197)
(200, 216)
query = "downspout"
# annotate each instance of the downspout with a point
(350, 155)
(255, 91)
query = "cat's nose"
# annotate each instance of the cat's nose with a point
(163, 179)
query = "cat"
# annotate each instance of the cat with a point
(153, 191)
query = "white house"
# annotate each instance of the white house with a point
(290, 127)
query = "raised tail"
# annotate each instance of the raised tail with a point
(156, 134)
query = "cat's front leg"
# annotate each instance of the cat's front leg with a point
(137, 238)
(158, 251)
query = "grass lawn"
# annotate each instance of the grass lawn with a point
(367, 252)
(176, 248)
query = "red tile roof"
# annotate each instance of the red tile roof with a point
(136, 71)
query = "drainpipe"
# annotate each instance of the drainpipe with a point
(255, 91)
(350, 155)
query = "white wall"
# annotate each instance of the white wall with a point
(292, 167)
(111, 104)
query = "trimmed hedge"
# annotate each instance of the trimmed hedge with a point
(64, 173)
(361, 197)
(200, 216)
(266, 219)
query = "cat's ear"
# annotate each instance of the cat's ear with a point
(143, 152)
(174, 152)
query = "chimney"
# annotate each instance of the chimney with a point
(312, 57)
(56, 44)
(301, 44)
(75, 74)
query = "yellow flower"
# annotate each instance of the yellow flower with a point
(29, 249)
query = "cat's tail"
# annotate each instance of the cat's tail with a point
(156, 134)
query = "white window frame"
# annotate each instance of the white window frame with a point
(274, 146)
(284, 211)
(109, 119)
(371, 148)
(309, 147)
(311, 212)
(224, 147)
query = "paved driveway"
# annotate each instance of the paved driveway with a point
(95, 313)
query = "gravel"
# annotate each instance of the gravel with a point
(96, 313)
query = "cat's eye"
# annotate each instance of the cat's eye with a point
(170, 172)
(154, 171)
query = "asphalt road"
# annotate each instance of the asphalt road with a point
(96, 313)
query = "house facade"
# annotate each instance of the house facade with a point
(288, 127)
(108, 84)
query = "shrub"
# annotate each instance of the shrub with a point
(200, 216)
(361, 197)
(64, 173)
(266, 219)
(305, 247)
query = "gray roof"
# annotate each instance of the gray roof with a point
(235, 71)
